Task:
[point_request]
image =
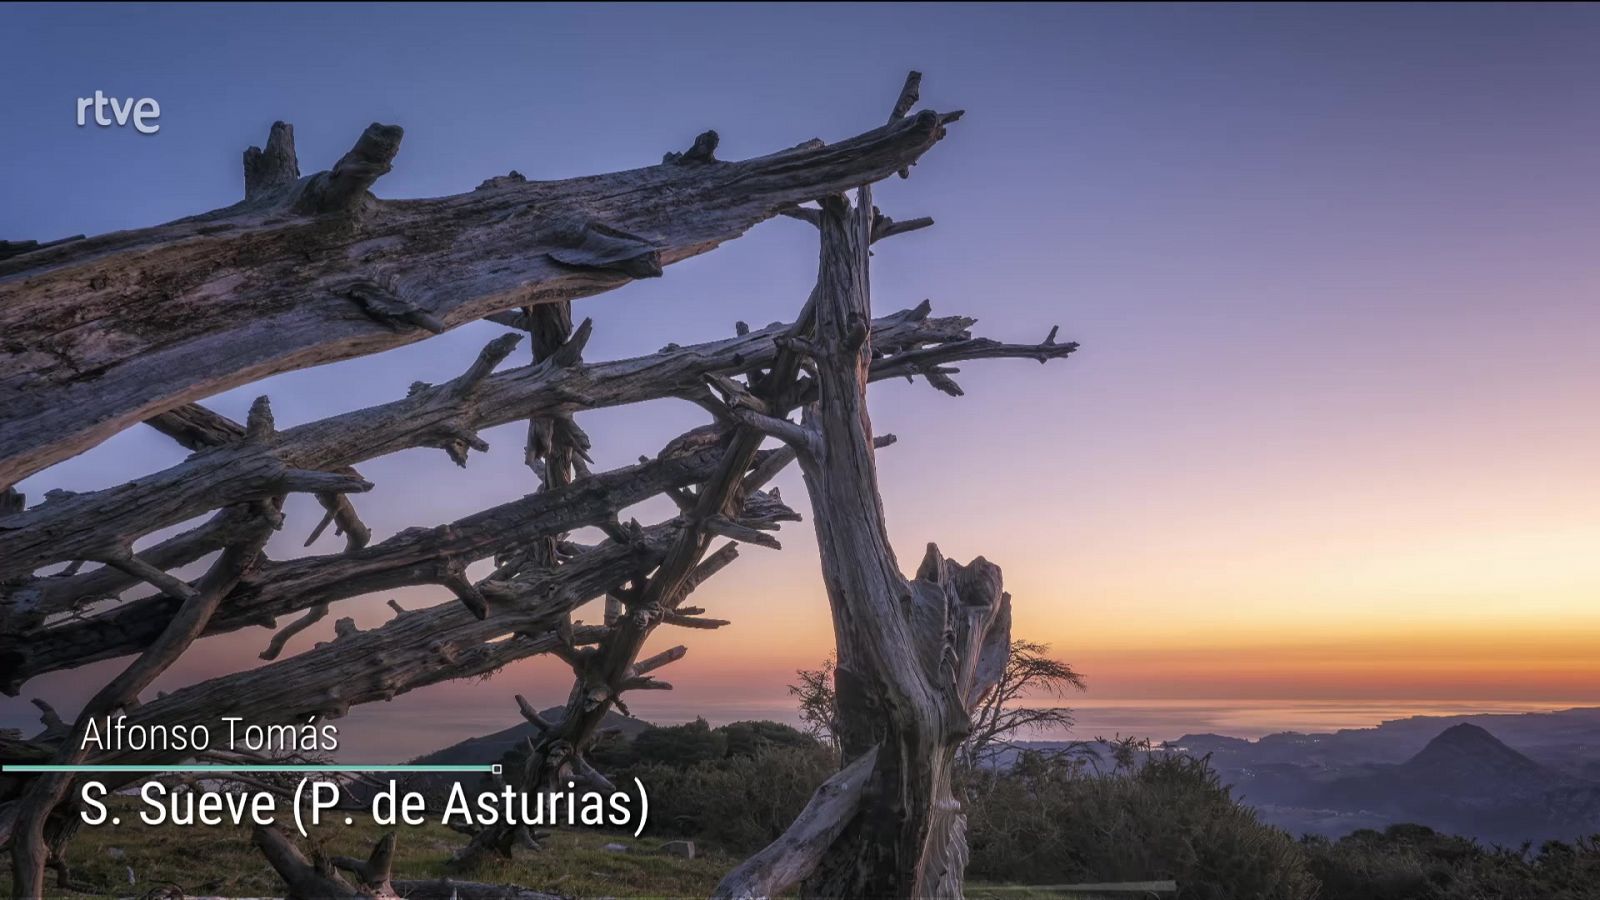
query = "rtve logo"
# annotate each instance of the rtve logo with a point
(142, 111)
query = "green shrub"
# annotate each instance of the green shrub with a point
(748, 738)
(739, 803)
(1412, 862)
(1048, 821)
(680, 745)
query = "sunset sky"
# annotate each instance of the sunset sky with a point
(1331, 436)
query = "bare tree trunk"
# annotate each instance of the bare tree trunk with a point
(914, 656)
(911, 654)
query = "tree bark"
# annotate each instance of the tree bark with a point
(307, 457)
(32, 848)
(417, 648)
(103, 332)
(914, 656)
(281, 587)
(788, 861)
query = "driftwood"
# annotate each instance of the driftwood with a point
(102, 332)
(98, 334)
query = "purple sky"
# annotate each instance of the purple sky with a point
(1332, 430)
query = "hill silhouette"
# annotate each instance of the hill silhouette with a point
(1502, 778)
(1466, 760)
(489, 748)
(1468, 781)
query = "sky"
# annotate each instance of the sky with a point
(1331, 434)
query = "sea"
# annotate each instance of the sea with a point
(384, 733)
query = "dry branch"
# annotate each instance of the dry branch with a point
(279, 588)
(422, 647)
(103, 332)
(785, 863)
(433, 415)
(197, 428)
(33, 845)
(307, 879)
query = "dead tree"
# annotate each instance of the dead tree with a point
(914, 655)
(103, 332)
(602, 674)
(97, 334)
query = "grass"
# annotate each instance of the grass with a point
(221, 861)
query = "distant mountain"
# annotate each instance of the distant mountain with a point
(1568, 740)
(489, 748)
(1465, 780)
(1466, 760)
(1464, 766)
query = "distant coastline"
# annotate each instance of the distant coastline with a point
(1163, 720)
(385, 733)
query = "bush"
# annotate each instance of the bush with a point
(1048, 821)
(741, 803)
(695, 743)
(1412, 862)
(680, 745)
(748, 738)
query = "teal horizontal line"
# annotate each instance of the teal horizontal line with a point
(225, 770)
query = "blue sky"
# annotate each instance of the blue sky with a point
(1331, 431)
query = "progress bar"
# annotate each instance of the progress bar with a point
(239, 770)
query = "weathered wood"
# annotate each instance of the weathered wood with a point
(914, 655)
(415, 649)
(426, 646)
(281, 587)
(197, 428)
(783, 864)
(412, 650)
(98, 334)
(308, 457)
(373, 873)
(32, 849)
(275, 169)
(307, 879)
(601, 677)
